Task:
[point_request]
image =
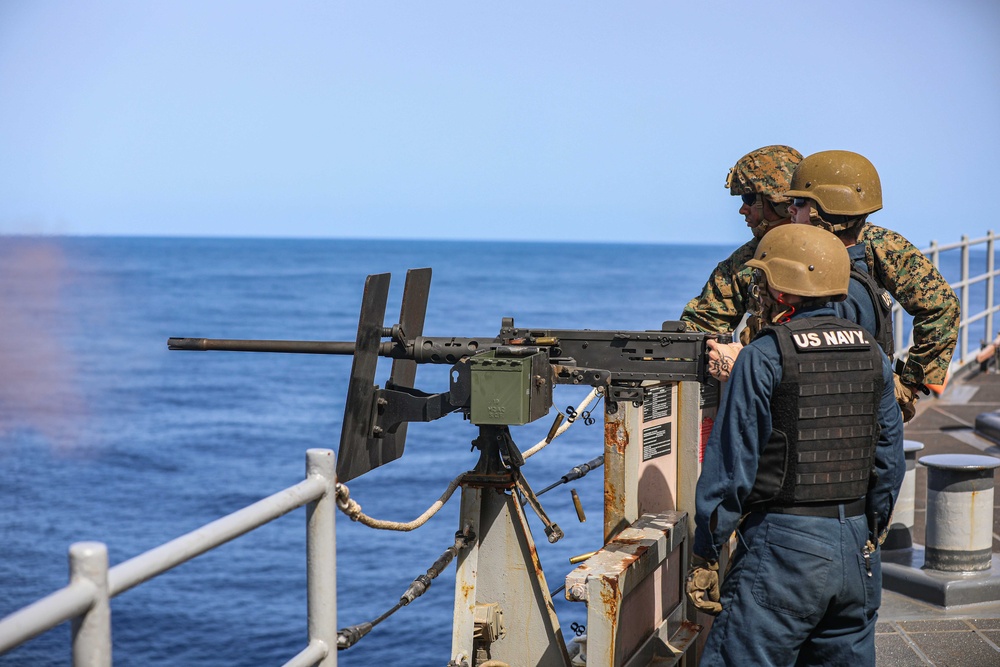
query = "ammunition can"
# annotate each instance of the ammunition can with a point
(509, 390)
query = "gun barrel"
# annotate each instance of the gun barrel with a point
(293, 346)
(423, 350)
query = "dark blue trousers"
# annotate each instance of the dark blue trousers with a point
(798, 593)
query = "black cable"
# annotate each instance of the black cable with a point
(349, 636)
(575, 473)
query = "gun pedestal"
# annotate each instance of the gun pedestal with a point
(499, 459)
(503, 610)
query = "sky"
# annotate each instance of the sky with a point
(558, 121)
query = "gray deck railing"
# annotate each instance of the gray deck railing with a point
(976, 293)
(85, 600)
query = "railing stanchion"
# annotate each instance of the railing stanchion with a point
(964, 333)
(321, 556)
(92, 630)
(988, 334)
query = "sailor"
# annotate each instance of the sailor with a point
(893, 262)
(805, 463)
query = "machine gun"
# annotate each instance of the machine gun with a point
(496, 382)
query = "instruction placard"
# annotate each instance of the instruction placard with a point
(656, 403)
(655, 441)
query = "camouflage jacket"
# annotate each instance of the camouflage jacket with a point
(896, 264)
(725, 297)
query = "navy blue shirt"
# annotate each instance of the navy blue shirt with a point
(858, 306)
(742, 429)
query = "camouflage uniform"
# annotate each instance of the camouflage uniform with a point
(922, 292)
(896, 264)
(725, 297)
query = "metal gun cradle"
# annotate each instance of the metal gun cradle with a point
(658, 402)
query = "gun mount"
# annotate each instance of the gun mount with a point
(659, 401)
(495, 381)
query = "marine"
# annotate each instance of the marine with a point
(893, 262)
(760, 178)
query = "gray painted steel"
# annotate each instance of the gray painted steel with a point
(959, 512)
(321, 552)
(88, 561)
(606, 579)
(502, 569)
(903, 571)
(45, 614)
(900, 535)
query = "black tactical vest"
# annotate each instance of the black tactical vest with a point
(882, 303)
(824, 415)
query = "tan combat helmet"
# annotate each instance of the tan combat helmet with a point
(805, 261)
(842, 183)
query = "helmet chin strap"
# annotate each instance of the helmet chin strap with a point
(766, 305)
(786, 315)
(764, 225)
(817, 220)
(780, 209)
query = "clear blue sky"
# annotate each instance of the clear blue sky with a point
(549, 120)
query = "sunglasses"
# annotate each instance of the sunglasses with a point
(800, 202)
(750, 199)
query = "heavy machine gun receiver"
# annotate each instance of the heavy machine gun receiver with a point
(495, 382)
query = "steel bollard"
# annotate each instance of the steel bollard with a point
(900, 527)
(959, 512)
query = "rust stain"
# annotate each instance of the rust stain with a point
(611, 501)
(972, 518)
(616, 435)
(535, 563)
(628, 559)
(609, 601)
(694, 628)
(467, 590)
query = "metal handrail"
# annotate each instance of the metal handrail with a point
(92, 583)
(971, 314)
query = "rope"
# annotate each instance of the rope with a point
(580, 409)
(352, 508)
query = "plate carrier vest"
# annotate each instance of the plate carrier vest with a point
(824, 415)
(882, 304)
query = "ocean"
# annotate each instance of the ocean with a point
(106, 435)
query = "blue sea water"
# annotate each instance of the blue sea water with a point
(106, 435)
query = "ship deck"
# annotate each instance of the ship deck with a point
(911, 631)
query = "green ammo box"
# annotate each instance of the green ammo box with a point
(509, 390)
